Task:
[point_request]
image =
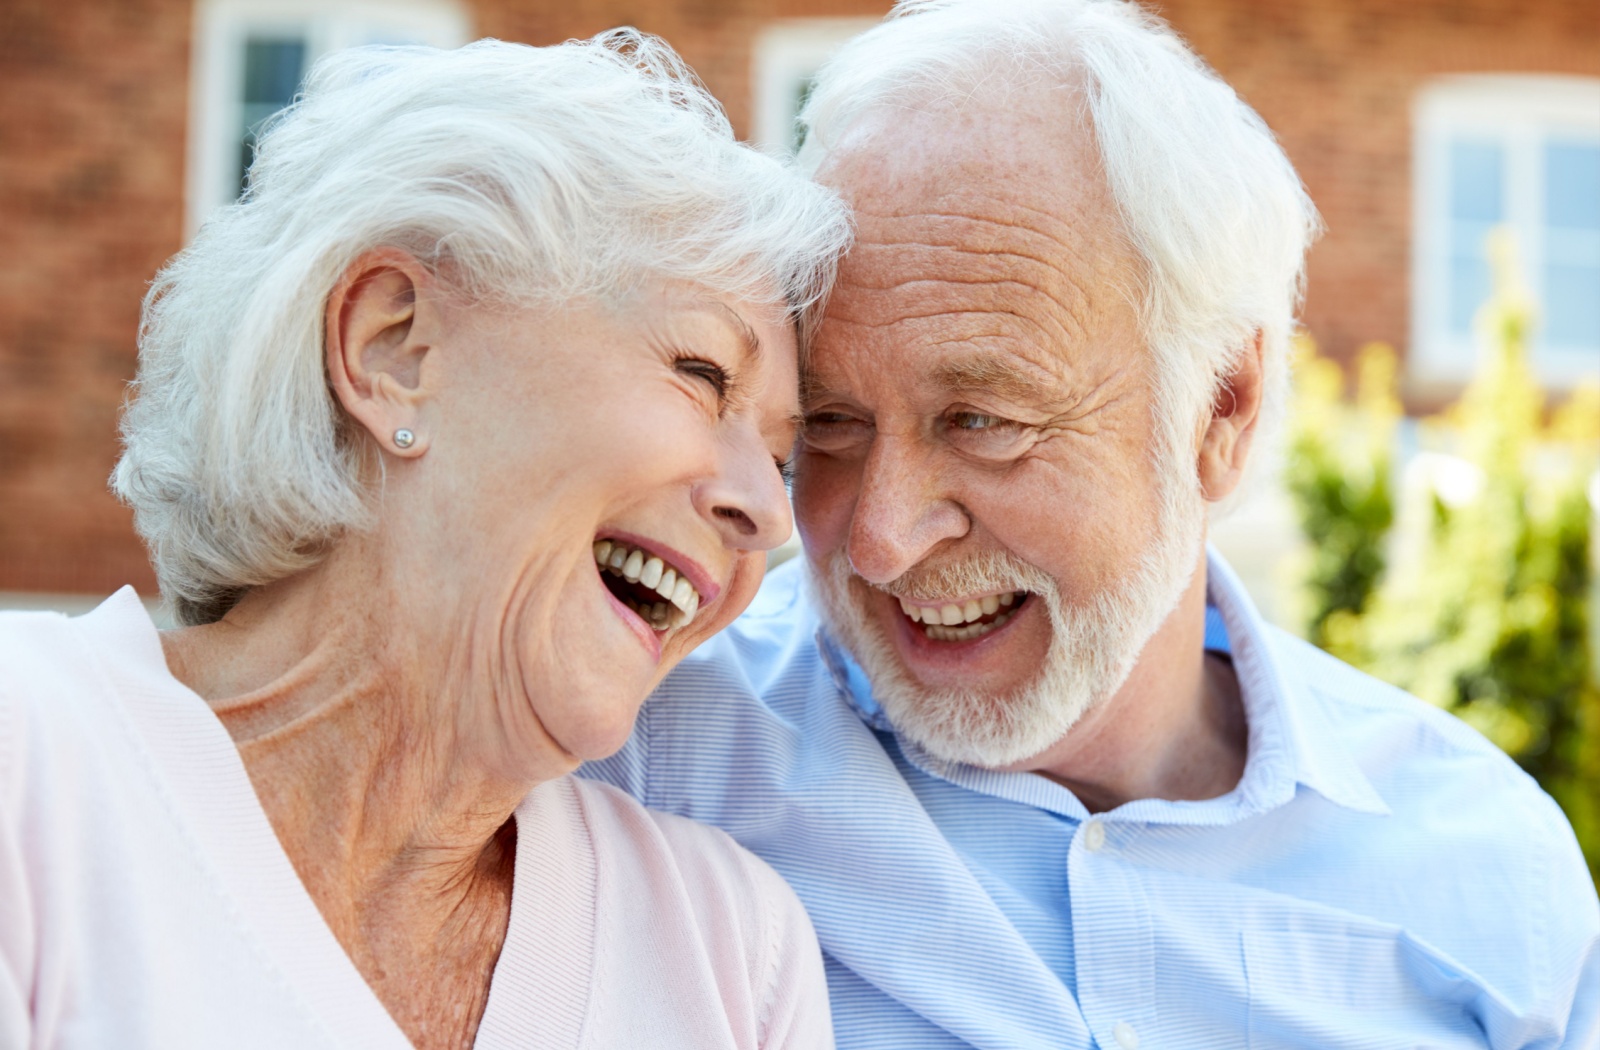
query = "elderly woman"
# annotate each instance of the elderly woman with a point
(451, 438)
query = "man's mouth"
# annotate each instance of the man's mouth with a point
(965, 619)
(657, 591)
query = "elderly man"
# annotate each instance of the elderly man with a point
(1040, 772)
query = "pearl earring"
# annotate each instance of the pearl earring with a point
(404, 438)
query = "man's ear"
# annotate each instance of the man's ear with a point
(1225, 445)
(377, 331)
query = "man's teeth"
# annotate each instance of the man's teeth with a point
(679, 599)
(955, 621)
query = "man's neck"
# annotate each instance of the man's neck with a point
(1175, 729)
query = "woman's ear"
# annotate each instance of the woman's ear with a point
(1225, 445)
(377, 332)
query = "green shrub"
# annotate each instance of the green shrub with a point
(1338, 473)
(1483, 608)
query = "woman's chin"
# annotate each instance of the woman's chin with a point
(591, 713)
(599, 733)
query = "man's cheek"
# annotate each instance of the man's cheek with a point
(825, 491)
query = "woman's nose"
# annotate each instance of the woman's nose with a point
(746, 499)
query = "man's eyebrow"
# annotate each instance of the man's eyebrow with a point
(997, 375)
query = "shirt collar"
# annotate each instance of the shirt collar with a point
(1290, 742)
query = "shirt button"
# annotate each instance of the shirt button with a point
(1094, 839)
(1125, 1036)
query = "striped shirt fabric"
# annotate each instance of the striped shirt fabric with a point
(1381, 876)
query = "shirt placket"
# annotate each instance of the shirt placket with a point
(1113, 936)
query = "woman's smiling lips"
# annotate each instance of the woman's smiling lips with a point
(647, 637)
(653, 588)
(686, 566)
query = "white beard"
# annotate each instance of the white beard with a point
(1093, 644)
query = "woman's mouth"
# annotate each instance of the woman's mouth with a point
(657, 591)
(964, 620)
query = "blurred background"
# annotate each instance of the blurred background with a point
(1434, 520)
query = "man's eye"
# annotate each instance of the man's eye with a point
(985, 436)
(829, 431)
(976, 421)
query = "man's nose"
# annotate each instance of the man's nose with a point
(745, 499)
(901, 513)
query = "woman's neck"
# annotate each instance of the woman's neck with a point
(370, 746)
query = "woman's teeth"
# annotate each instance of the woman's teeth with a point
(959, 621)
(678, 599)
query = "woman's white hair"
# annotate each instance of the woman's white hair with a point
(519, 175)
(1208, 199)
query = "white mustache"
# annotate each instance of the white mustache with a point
(992, 571)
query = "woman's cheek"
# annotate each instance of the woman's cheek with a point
(748, 572)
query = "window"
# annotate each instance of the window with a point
(1519, 152)
(251, 56)
(787, 57)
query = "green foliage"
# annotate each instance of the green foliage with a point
(1337, 472)
(1484, 607)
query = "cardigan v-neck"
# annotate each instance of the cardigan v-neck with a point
(160, 908)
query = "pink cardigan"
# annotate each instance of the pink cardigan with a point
(145, 900)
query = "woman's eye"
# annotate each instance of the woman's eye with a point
(713, 374)
(785, 470)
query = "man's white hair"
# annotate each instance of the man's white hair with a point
(518, 175)
(1213, 207)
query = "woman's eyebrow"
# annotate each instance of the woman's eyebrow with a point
(749, 341)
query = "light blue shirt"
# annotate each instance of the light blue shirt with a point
(1382, 876)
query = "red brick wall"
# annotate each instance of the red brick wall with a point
(93, 99)
(1335, 81)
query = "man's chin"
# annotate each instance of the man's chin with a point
(947, 710)
(963, 730)
(1083, 658)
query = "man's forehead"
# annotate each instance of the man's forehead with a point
(927, 284)
(1039, 146)
(989, 253)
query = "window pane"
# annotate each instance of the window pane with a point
(1469, 290)
(1572, 243)
(1476, 206)
(1477, 181)
(802, 95)
(1572, 184)
(1572, 308)
(272, 70)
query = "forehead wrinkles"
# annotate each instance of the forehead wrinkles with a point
(994, 270)
(986, 218)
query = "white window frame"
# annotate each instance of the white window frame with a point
(221, 28)
(1520, 111)
(785, 54)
